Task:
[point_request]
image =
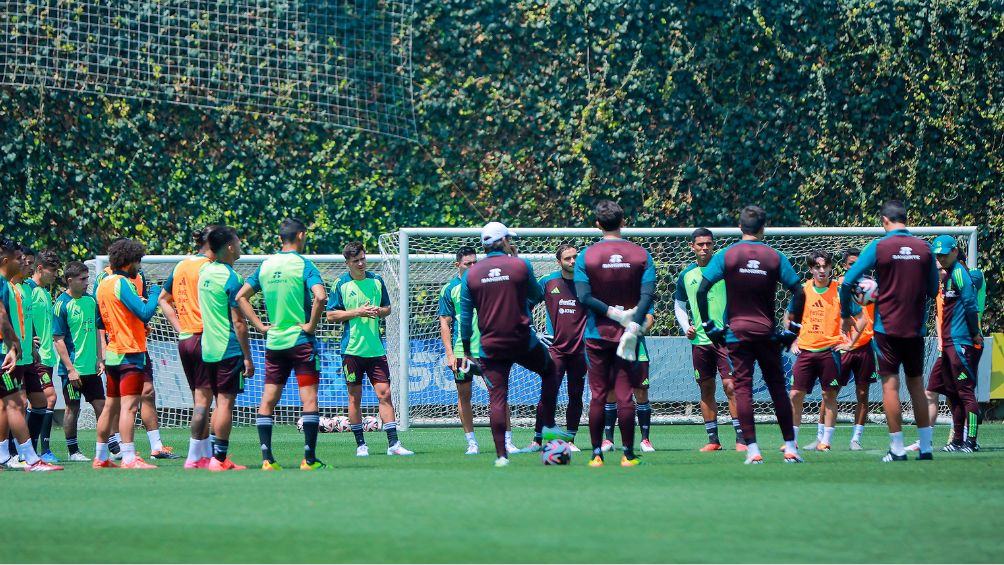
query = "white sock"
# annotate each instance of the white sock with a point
(752, 449)
(790, 447)
(508, 437)
(819, 431)
(4, 451)
(27, 452)
(470, 437)
(796, 432)
(101, 451)
(858, 430)
(155, 444)
(194, 450)
(926, 437)
(896, 443)
(128, 452)
(207, 447)
(827, 435)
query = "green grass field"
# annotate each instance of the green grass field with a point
(442, 506)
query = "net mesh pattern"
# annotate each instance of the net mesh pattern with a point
(345, 62)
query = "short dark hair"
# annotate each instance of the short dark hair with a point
(289, 228)
(495, 246)
(201, 235)
(464, 251)
(895, 210)
(752, 220)
(817, 254)
(701, 232)
(7, 247)
(75, 269)
(562, 248)
(47, 259)
(609, 215)
(124, 252)
(352, 249)
(850, 252)
(220, 236)
(25, 249)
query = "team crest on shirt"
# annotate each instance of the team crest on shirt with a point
(616, 262)
(494, 275)
(906, 254)
(752, 268)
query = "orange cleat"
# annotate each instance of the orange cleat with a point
(201, 463)
(215, 465)
(754, 460)
(711, 447)
(793, 458)
(106, 464)
(823, 447)
(42, 466)
(165, 452)
(741, 447)
(596, 461)
(138, 463)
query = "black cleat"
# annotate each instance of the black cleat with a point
(921, 456)
(890, 456)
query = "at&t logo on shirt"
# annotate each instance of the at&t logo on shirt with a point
(752, 268)
(906, 254)
(495, 275)
(616, 262)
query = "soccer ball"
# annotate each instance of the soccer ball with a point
(341, 424)
(299, 423)
(327, 425)
(556, 452)
(866, 291)
(371, 424)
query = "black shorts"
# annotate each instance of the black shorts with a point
(376, 368)
(91, 389)
(892, 352)
(226, 376)
(11, 382)
(37, 378)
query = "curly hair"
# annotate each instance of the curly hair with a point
(125, 252)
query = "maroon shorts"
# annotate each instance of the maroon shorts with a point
(301, 359)
(124, 380)
(190, 354)
(891, 352)
(709, 361)
(955, 370)
(496, 370)
(148, 369)
(37, 378)
(10, 383)
(376, 368)
(226, 376)
(861, 363)
(90, 388)
(811, 366)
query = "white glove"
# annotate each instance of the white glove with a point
(621, 316)
(627, 348)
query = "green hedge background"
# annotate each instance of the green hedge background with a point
(529, 111)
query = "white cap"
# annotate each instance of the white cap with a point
(494, 231)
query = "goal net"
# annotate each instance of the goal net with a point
(345, 62)
(424, 262)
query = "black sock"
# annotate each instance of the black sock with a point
(220, 447)
(572, 431)
(357, 430)
(264, 424)
(629, 452)
(538, 437)
(598, 452)
(46, 430)
(609, 419)
(739, 431)
(644, 419)
(391, 429)
(712, 428)
(71, 445)
(311, 420)
(113, 444)
(35, 417)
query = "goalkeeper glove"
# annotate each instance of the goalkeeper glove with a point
(546, 339)
(794, 327)
(621, 316)
(786, 337)
(627, 348)
(714, 333)
(469, 366)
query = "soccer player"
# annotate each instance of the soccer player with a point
(38, 380)
(961, 345)
(226, 351)
(449, 308)
(23, 295)
(752, 270)
(501, 288)
(359, 301)
(565, 321)
(124, 315)
(75, 328)
(907, 275)
(615, 281)
(13, 324)
(709, 359)
(819, 345)
(294, 300)
(179, 302)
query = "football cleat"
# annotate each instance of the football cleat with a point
(398, 449)
(106, 464)
(15, 463)
(532, 448)
(922, 456)
(966, 447)
(574, 449)
(741, 447)
(49, 457)
(511, 448)
(607, 445)
(793, 458)
(472, 449)
(138, 463)
(116, 456)
(810, 446)
(915, 446)
(315, 466)
(363, 451)
(596, 461)
(502, 462)
(201, 463)
(814, 446)
(952, 447)
(165, 452)
(270, 466)
(856, 445)
(710, 447)
(890, 457)
(42, 466)
(78, 456)
(646, 446)
(821, 447)
(625, 462)
(551, 433)
(215, 465)
(754, 460)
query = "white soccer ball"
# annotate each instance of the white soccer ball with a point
(299, 423)
(371, 424)
(326, 425)
(341, 424)
(866, 291)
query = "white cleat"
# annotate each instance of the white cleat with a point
(398, 449)
(472, 449)
(915, 446)
(116, 456)
(646, 446)
(511, 448)
(573, 448)
(363, 451)
(812, 446)
(607, 446)
(78, 456)
(16, 463)
(501, 462)
(856, 445)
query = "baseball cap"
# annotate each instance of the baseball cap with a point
(943, 244)
(494, 231)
